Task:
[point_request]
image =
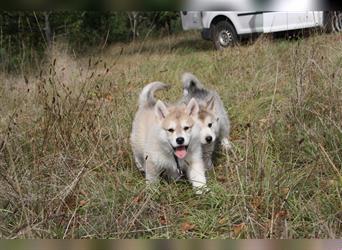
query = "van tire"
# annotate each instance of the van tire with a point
(223, 35)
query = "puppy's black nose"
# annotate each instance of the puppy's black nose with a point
(208, 139)
(180, 140)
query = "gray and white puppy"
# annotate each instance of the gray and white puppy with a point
(214, 121)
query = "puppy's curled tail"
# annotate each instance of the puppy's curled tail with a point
(146, 97)
(191, 84)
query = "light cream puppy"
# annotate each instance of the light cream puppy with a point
(165, 138)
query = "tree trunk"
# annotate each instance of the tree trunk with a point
(133, 21)
(47, 29)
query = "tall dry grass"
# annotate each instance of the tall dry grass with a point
(66, 167)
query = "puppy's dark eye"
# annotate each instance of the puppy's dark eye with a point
(209, 125)
(171, 130)
(186, 128)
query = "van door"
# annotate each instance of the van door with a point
(248, 22)
(274, 21)
(282, 21)
(302, 19)
(191, 20)
(297, 20)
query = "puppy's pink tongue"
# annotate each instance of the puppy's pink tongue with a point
(180, 152)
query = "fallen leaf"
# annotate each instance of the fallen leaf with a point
(256, 202)
(187, 227)
(82, 203)
(238, 228)
(222, 221)
(109, 97)
(282, 214)
(186, 212)
(82, 192)
(221, 178)
(284, 190)
(234, 137)
(137, 199)
(162, 220)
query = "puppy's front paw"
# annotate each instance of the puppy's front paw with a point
(226, 145)
(202, 190)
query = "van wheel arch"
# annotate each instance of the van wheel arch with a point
(223, 32)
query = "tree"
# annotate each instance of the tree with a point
(47, 28)
(135, 19)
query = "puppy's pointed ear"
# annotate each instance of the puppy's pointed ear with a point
(192, 108)
(211, 103)
(161, 110)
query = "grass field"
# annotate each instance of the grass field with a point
(66, 167)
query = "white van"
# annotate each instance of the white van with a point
(225, 27)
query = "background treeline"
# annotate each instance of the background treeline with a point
(22, 32)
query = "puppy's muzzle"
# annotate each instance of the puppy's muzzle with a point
(180, 140)
(209, 139)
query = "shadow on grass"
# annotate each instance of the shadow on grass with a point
(182, 45)
(187, 44)
(194, 45)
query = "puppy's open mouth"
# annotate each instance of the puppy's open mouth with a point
(181, 151)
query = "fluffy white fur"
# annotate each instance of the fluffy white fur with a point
(154, 142)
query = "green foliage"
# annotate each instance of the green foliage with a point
(24, 33)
